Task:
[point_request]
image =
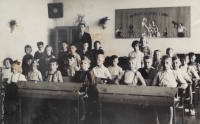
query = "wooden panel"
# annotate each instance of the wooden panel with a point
(140, 90)
(50, 86)
(48, 94)
(138, 100)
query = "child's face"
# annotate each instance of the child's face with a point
(185, 61)
(115, 61)
(85, 65)
(100, 60)
(85, 46)
(157, 55)
(170, 53)
(167, 63)
(27, 50)
(136, 47)
(14, 70)
(64, 45)
(7, 64)
(97, 46)
(40, 47)
(70, 61)
(176, 64)
(132, 64)
(34, 67)
(192, 59)
(73, 49)
(48, 50)
(53, 66)
(144, 42)
(147, 63)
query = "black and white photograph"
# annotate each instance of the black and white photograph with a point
(99, 62)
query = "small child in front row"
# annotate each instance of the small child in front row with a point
(53, 75)
(83, 76)
(34, 74)
(6, 73)
(192, 61)
(131, 76)
(157, 60)
(115, 70)
(137, 54)
(168, 78)
(184, 74)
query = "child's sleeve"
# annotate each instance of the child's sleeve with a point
(182, 82)
(194, 72)
(155, 79)
(140, 78)
(40, 76)
(60, 79)
(107, 73)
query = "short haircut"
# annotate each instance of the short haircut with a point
(154, 53)
(81, 24)
(97, 42)
(52, 60)
(183, 58)
(101, 55)
(70, 56)
(135, 43)
(113, 57)
(147, 57)
(142, 38)
(72, 45)
(191, 54)
(27, 46)
(85, 41)
(85, 58)
(40, 43)
(175, 58)
(49, 46)
(165, 57)
(9, 59)
(168, 49)
(130, 59)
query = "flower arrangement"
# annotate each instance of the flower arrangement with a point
(103, 21)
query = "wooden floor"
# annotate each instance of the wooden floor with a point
(112, 113)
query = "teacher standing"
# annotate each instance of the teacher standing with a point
(82, 37)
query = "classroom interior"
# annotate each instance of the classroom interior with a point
(33, 25)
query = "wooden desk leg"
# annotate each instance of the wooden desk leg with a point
(100, 113)
(78, 111)
(183, 113)
(174, 113)
(20, 110)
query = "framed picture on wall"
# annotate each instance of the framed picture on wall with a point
(162, 22)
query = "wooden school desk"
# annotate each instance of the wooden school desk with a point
(137, 95)
(52, 90)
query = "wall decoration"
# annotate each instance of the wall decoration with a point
(165, 22)
(103, 22)
(79, 20)
(12, 25)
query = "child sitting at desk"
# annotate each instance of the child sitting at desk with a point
(157, 60)
(6, 73)
(100, 71)
(176, 67)
(73, 49)
(131, 76)
(115, 70)
(192, 59)
(53, 75)
(168, 78)
(34, 74)
(144, 48)
(83, 76)
(170, 52)
(71, 66)
(137, 54)
(148, 72)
